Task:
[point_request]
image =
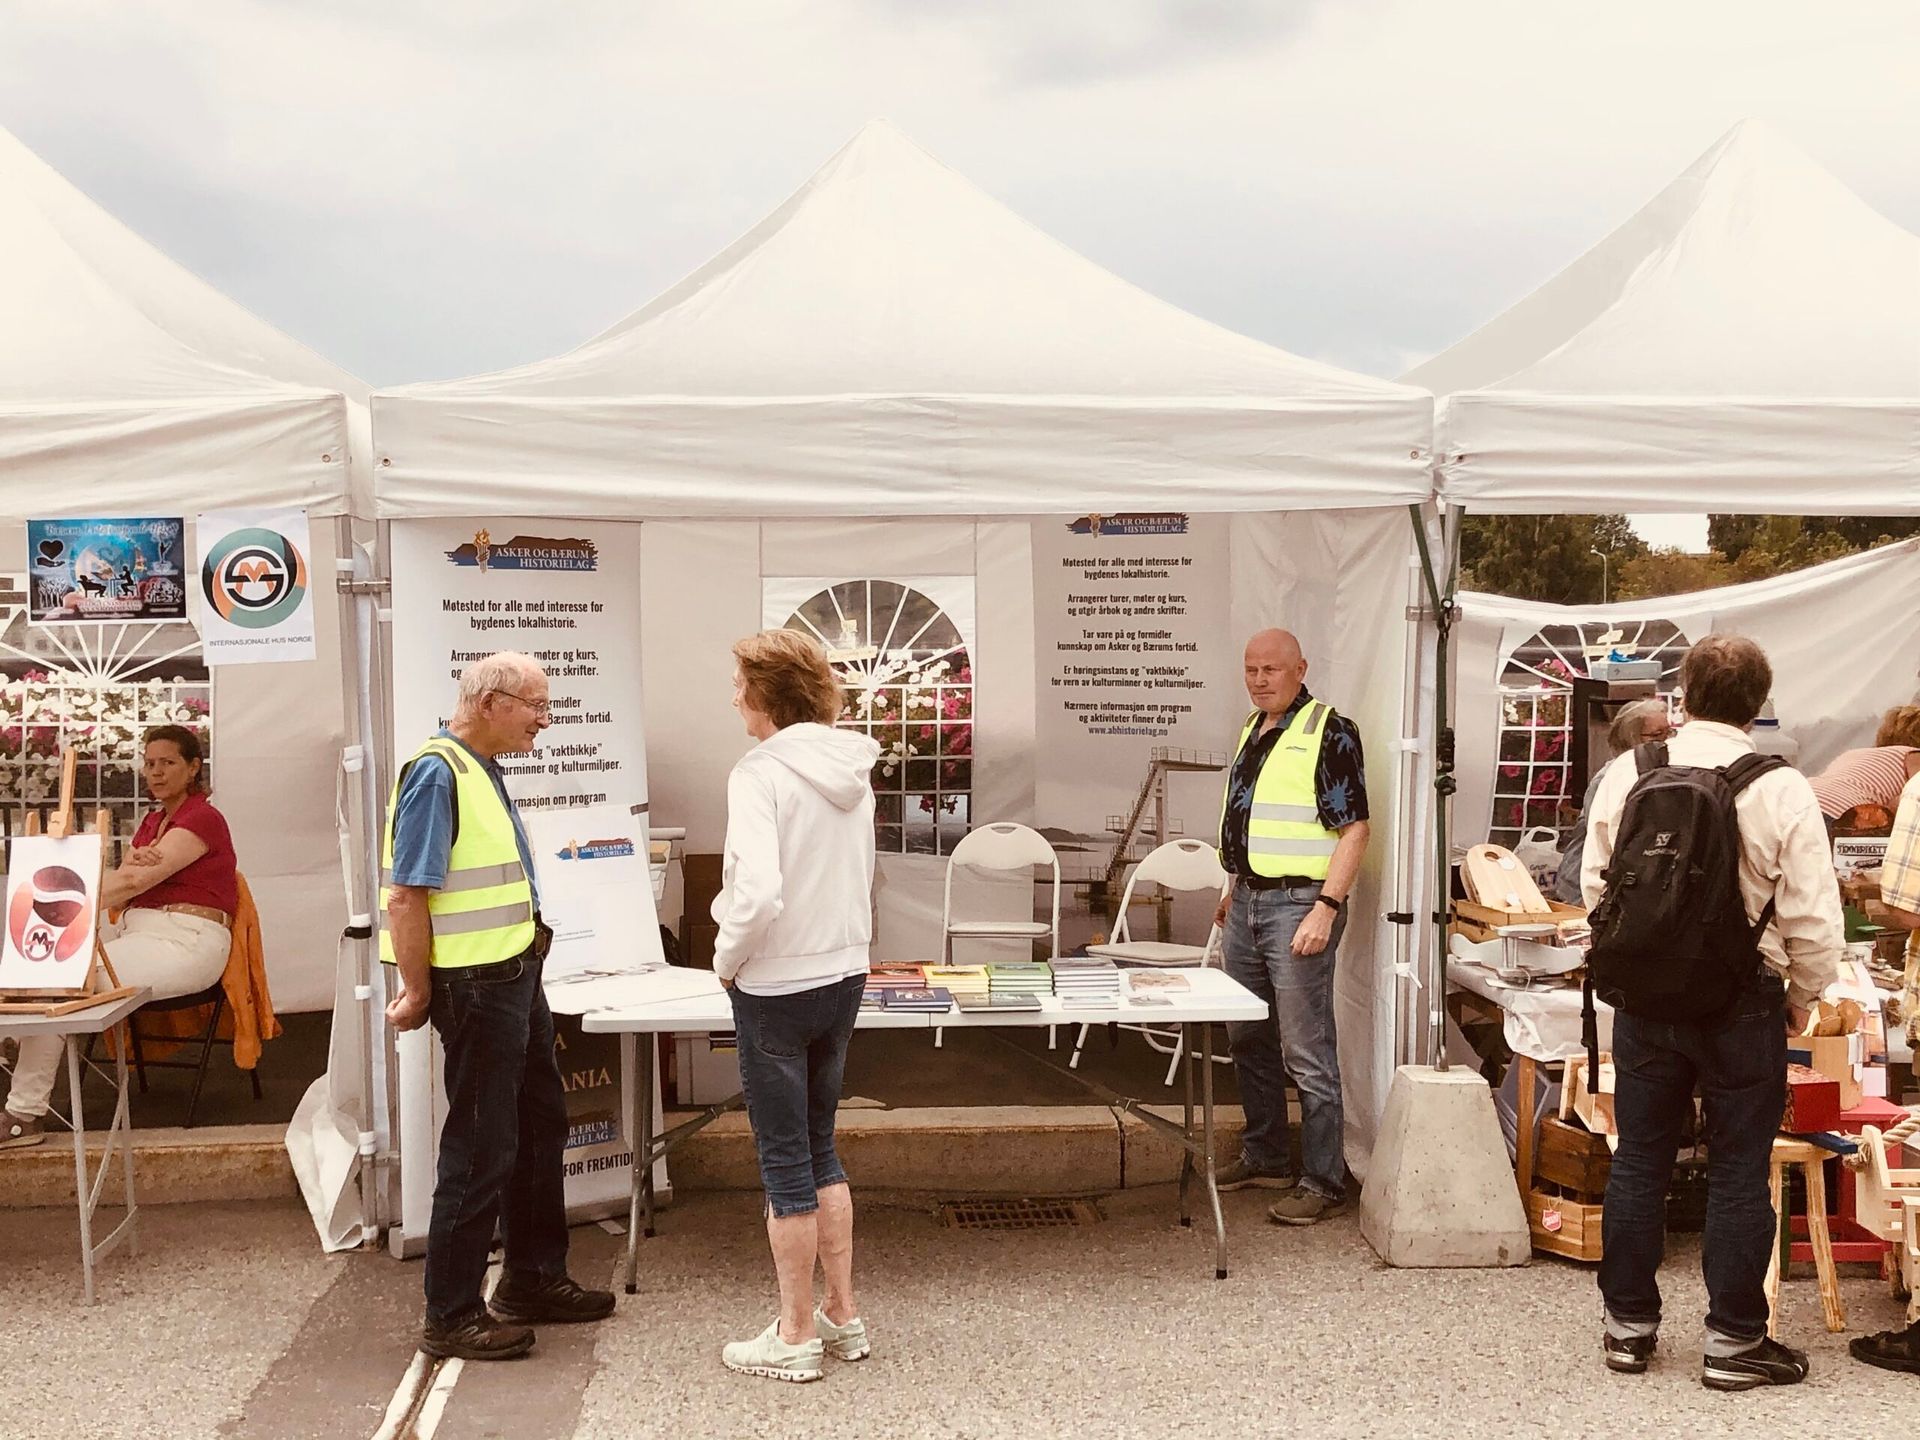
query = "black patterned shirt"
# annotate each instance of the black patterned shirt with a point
(1339, 781)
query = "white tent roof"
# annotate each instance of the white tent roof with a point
(893, 341)
(1749, 341)
(129, 386)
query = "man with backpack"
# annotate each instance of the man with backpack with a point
(1714, 906)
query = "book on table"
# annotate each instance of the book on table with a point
(1024, 977)
(896, 975)
(1171, 981)
(958, 979)
(1001, 1002)
(931, 1001)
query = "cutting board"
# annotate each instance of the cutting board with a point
(1496, 878)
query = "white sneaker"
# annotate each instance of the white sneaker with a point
(843, 1342)
(768, 1355)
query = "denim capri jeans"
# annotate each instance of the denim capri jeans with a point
(793, 1057)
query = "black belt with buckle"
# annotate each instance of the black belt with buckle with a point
(1275, 882)
(502, 972)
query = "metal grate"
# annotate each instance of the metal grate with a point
(1017, 1214)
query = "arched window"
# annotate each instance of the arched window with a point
(95, 689)
(909, 684)
(1533, 775)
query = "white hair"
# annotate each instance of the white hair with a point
(506, 670)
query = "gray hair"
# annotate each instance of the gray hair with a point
(506, 670)
(1631, 723)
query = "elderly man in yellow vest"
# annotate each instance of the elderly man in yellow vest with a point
(460, 920)
(1293, 827)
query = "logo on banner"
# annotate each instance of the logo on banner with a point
(254, 578)
(51, 915)
(524, 552)
(604, 849)
(1133, 524)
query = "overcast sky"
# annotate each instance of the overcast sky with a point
(423, 190)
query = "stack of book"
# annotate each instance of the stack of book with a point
(1020, 977)
(1086, 982)
(963, 982)
(896, 975)
(870, 998)
(922, 1000)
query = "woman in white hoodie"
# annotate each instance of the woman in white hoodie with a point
(796, 919)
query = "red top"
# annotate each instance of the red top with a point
(208, 881)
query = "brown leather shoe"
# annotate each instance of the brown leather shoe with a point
(476, 1336)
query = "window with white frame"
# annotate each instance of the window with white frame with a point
(1533, 770)
(96, 689)
(903, 656)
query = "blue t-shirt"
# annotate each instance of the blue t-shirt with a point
(423, 822)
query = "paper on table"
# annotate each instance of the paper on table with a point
(658, 985)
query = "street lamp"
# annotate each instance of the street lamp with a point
(1603, 572)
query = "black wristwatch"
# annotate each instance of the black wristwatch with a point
(1332, 904)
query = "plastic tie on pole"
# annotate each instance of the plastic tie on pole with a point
(363, 992)
(353, 759)
(384, 615)
(343, 564)
(367, 1142)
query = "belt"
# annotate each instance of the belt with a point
(1275, 882)
(202, 912)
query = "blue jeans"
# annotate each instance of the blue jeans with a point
(504, 1138)
(1740, 1069)
(793, 1056)
(1296, 1040)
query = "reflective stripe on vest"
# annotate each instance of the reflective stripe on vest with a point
(1284, 833)
(483, 911)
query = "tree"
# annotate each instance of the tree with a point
(1545, 557)
(1791, 542)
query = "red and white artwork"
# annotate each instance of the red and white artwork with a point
(52, 909)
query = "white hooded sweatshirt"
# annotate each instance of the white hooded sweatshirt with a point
(795, 906)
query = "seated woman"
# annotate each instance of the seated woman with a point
(1860, 789)
(177, 892)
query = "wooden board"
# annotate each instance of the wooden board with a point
(1496, 878)
(66, 1006)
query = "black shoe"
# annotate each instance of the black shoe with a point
(1768, 1363)
(1890, 1349)
(1242, 1176)
(530, 1300)
(1628, 1356)
(476, 1336)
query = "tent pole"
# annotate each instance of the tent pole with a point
(1440, 599)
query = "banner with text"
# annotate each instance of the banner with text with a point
(1135, 664)
(567, 593)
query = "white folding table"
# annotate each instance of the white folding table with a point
(1213, 998)
(73, 1028)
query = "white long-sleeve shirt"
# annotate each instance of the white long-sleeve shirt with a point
(1784, 856)
(795, 906)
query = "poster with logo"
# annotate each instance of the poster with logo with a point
(568, 594)
(51, 913)
(1135, 692)
(97, 571)
(256, 589)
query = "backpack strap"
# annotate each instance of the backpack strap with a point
(1650, 756)
(1749, 768)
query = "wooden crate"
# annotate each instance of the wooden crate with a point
(1563, 1225)
(1573, 1159)
(1477, 922)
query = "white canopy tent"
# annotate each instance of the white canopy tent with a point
(894, 367)
(129, 387)
(1749, 341)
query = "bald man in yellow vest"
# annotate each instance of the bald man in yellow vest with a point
(1293, 829)
(460, 927)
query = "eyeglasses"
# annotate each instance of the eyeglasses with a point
(539, 707)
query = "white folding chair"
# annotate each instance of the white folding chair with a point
(1177, 865)
(1002, 845)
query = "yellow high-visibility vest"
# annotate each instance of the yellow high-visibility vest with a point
(483, 912)
(1284, 833)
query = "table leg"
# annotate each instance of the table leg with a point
(1185, 1061)
(123, 1122)
(1829, 1281)
(1207, 1157)
(1777, 1186)
(649, 1077)
(80, 1186)
(1525, 1082)
(633, 1074)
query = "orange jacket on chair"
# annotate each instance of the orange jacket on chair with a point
(248, 1021)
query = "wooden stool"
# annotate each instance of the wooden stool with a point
(1811, 1159)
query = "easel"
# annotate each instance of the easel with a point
(64, 1000)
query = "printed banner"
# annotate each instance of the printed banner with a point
(256, 586)
(106, 571)
(52, 910)
(567, 593)
(1135, 665)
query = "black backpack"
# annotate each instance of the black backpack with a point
(1671, 940)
